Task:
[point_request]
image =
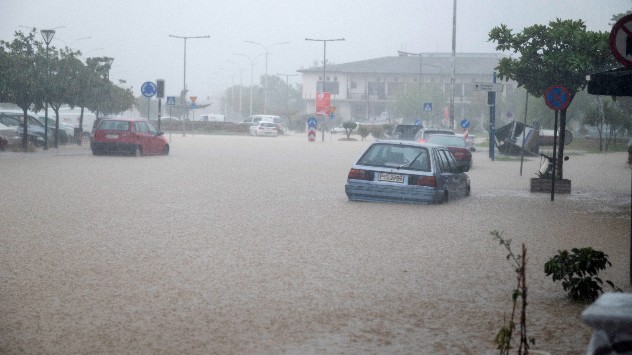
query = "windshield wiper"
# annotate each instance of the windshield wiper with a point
(411, 163)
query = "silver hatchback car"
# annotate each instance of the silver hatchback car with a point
(406, 172)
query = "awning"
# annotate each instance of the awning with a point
(617, 82)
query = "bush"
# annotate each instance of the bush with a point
(377, 132)
(578, 271)
(363, 131)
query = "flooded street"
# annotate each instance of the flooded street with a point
(235, 244)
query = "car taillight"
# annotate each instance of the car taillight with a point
(422, 141)
(458, 155)
(358, 174)
(430, 181)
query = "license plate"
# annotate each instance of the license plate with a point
(390, 177)
(111, 136)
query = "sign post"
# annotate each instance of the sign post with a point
(556, 97)
(148, 89)
(312, 123)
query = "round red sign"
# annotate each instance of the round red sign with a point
(621, 40)
(557, 97)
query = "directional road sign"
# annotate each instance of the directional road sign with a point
(465, 123)
(497, 87)
(312, 122)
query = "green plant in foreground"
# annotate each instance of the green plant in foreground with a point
(503, 338)
(578, 272)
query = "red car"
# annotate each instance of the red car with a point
(456, 145)
(128, 135)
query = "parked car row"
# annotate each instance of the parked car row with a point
(35, 127)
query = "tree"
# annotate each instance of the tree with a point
(562, 53)
(20, 74)
(349, 126)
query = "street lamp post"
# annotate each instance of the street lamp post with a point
(324, 70)
(420, 78)
(184, 85)
(240, 84)
(287, 94)
(265, 90)
(252, 64)
(48, 37)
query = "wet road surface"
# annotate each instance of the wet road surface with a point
(235, 244)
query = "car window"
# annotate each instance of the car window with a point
(396, 155)
(152, 129)
(141, 127)
(114, 125)
(452, 141)
(446, 162)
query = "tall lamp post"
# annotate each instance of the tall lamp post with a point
(287, 94)
(48, 37)
(265, 90)
(184, 85)
(252, 64)
(324, 70)
(420, 79)
(240, 83)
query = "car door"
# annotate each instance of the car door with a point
(446, 173)
(144, 137)
(459, 183)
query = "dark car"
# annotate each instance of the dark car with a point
(456, 145)
(423, 134)
(130, 136)
(35, 133)
(406, 172)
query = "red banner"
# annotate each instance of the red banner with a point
(322, 103)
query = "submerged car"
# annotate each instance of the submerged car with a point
(406, 172)
(423, 134)
(264, 129)
(456, 145)
(131, 136)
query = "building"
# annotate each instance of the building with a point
(372, 90)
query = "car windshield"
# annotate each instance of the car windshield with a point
(114, 125)
(450, 141)
(396, 156)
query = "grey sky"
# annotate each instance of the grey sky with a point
(136, 33)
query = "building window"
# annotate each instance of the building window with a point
(354, 85)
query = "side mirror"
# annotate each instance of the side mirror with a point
(472, 149)
(160, 133)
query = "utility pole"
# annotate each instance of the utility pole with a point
(287, 95)
(184, 85)
(325, 71)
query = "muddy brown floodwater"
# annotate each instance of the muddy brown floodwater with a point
(235, 244)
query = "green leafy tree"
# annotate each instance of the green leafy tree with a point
(20, 74)
(349, 126)
(562, 53)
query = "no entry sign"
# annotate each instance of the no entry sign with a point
(621, 40)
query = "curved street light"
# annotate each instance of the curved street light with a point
(252, 64)
(265, 90)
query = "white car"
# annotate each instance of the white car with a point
(264, 129)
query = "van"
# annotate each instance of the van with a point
(267, 118)
(211, 117)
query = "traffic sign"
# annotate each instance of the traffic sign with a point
(428, 106)
(465, 123)
(193, 98)
(171, 100)
(557, 97)
(311, 134)
(621, 40)
(148, 89)
(497, 87)
(417, 122)
(332, 116)
(312, 122)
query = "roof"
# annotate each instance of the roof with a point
(431, 63)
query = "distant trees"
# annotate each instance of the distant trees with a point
(28, 80)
